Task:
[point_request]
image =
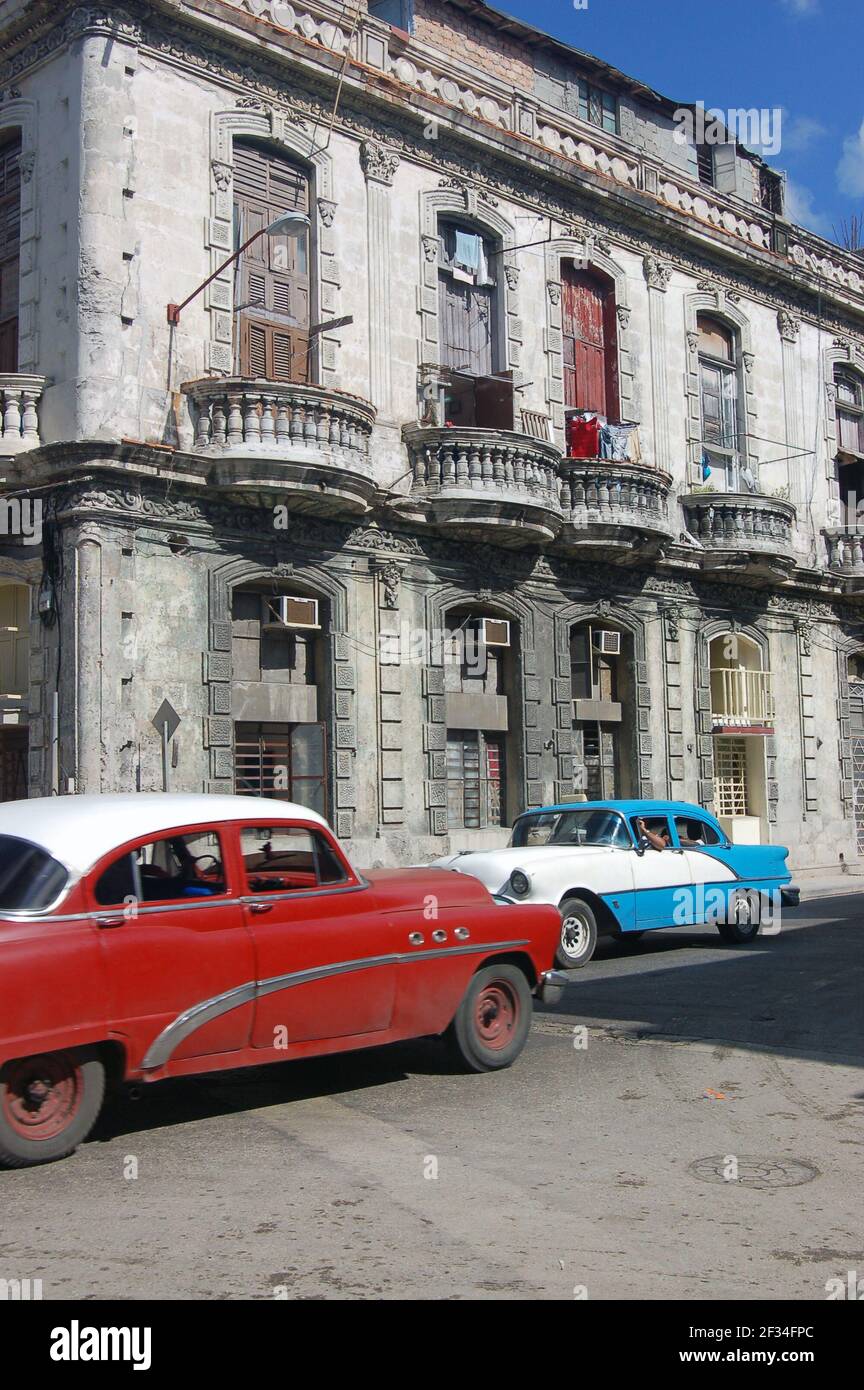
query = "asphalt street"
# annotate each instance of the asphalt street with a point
(687, 1123)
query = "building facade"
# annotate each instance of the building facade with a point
(370, 512)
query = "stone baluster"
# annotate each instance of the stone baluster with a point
(11, 413)
(29, 418)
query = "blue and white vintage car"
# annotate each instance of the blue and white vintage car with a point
(621, 868)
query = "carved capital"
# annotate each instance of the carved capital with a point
(657, 273)
(377, 162)
(430, 247)
(553, 289)
(788, 325)
(511, 275)
(623, 315)
(326, 211)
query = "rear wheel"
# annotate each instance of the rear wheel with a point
(48, 1104)
(742, 919)
(492, 1022)
(578, 934)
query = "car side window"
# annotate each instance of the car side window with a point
(656, 829)
(289, 858)
(694, 833)
(174, 868)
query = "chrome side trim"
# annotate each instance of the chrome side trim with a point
(160, 1050)
(192, 1019)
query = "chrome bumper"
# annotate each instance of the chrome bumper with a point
(550, 986)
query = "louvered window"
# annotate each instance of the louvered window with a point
(10, 235)
(271, 291)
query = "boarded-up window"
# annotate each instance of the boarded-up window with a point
(14, 639)
(589, 342)
(271, 290)
(10, 236)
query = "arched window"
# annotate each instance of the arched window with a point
(477, 391)
(850, 412)
(849, 409)
(588, 328)
(479, 660)
(718, 388)
(280, 695)
(602, 690)
(10, 237)
(272, 287)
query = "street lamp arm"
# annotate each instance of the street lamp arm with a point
(290, 223)
(174, 310)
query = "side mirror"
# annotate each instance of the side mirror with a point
(639, 847)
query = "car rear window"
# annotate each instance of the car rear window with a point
(29, 878)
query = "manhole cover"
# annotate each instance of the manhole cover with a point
(750, 1171)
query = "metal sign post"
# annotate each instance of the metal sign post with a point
(166, 722)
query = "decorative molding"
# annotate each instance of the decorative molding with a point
(789, 325)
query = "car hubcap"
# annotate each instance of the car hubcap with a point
(496, 1015)
(574, 936)
(42, 1095)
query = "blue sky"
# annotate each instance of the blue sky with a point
(803, 56)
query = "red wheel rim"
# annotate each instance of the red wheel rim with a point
(41, 1095)
(496, 1014)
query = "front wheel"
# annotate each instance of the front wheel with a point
(742, 920)
(578, 934)
(48, 1105)
(492, 1022)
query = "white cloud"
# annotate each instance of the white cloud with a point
(801, 7)
(800, 209)
(801, 132)
(850, 170)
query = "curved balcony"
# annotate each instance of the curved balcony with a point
(742, 531)
(619, 505)
(277, 437)
(490, 484)
(846, 557)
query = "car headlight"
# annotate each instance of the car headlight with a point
(520, 884)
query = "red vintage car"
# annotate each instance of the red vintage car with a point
(147, 936)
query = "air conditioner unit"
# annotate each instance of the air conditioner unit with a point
(496, 632)
(288, 611)
(607, 641)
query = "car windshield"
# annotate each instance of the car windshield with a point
(29, 878)
(582, 827)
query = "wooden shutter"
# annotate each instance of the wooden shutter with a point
(10, 236)
(271, 292)
(589, 343)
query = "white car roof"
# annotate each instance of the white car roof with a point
(79, 830)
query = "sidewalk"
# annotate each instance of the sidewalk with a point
(829, 882)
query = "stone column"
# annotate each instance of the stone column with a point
(657, 276)
(379, 166)
(88, 664)
(793, 390)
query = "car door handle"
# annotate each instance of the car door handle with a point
(260, 907)
(110, 920)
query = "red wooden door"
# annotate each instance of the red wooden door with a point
(588, 332)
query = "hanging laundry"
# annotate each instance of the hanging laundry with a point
(706, 467)
(467, 251)
(583, 437)
(615, 442)
(748, 478)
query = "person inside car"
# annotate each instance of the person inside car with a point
(658, 838)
